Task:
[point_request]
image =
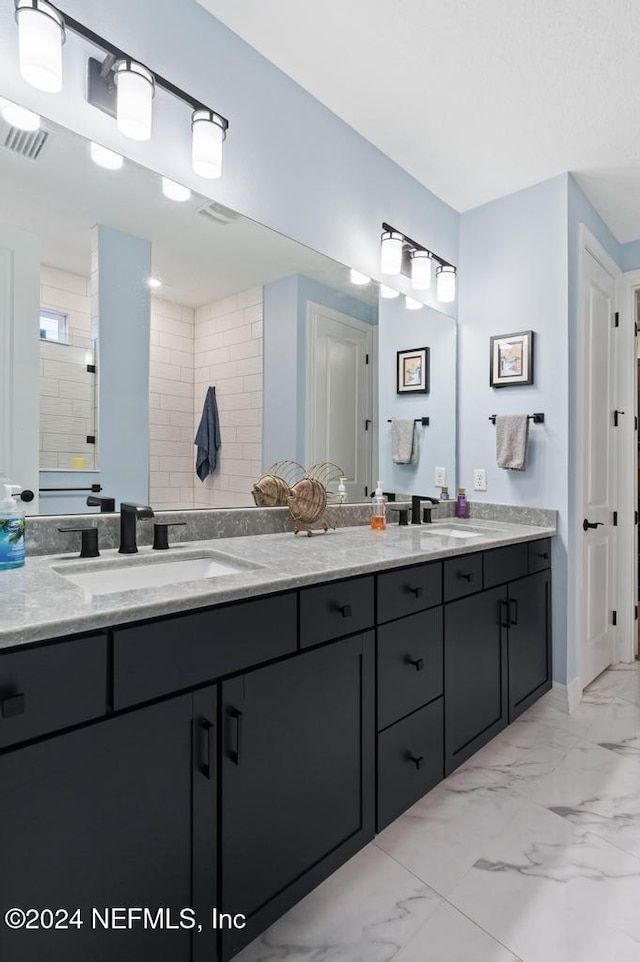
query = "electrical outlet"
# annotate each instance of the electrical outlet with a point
(440, 477)
(479, 479)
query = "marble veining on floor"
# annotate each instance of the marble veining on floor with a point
(530, 852)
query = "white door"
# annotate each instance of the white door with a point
(19, 360)
(339, 400)
(598, 468)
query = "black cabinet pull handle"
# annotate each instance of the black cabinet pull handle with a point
(13, 706)
(418, 663)
(346, 610)
(418, 591)
(589, 524)
(234, 753)
(466, 576)
(503, 613)
(417, 760)
(542, 554)
(206, 732)
(513, 615)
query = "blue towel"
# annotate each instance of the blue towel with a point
(208, 436)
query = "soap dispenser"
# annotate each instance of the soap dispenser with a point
(378, 510)
(12, 527)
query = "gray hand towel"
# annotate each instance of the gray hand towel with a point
(512, 441)
(208, 436)
(404, 441)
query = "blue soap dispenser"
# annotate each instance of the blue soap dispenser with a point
(12, 528)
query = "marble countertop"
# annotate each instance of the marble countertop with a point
(39, 602)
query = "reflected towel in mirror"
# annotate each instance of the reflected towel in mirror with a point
(208, 436)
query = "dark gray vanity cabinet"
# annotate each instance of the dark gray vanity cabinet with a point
(297, 778)
(529, 641)
(120, 813)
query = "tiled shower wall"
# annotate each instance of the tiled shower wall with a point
(171, 448)
(228, 355)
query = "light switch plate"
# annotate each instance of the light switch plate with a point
(479, 479)
(440, 477)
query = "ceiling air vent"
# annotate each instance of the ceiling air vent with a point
(26, 143)
(218, 213)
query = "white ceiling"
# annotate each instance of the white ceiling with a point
(474, 98)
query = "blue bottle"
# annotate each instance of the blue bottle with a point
(12, 528)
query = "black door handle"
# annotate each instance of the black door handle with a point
(418, 663)
(206, 732)
(234, 753)
(503, 613)
(590, 524)
(345, 610)
(13, 706)
(418, 591)
(416, 759)
(513, 616)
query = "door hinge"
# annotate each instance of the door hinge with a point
(635, 517)
(616, 418)
(615, 519)
(616, 319)
(614, 618)
(91, 439)
(635, 613)
(635, 423)
(366, 359)
(366, 491)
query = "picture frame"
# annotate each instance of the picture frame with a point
(412, 371)
(511, 359)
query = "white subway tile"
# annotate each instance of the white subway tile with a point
(250, 365)
(225, 306)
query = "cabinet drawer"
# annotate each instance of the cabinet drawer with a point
(176, 653)
(505, 564)
(462, 576)
(410, 761)
(409, 665)
(47, 689)
(539, 555)
(335, 609)
(410, 589)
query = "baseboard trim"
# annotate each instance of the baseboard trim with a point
(565, 698)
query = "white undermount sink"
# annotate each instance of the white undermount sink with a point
(134, 574)
(449, 531)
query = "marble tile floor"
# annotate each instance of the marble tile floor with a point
(529, 852)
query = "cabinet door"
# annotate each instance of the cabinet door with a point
(297, 778)
(529, 641)
(100, 818)
(475, 673)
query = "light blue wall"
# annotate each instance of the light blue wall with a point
(513, 277)
(400, 330)
(631, 256)
(124, 306)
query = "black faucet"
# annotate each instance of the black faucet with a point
(129, 514)
(416, 505)
(105, 504)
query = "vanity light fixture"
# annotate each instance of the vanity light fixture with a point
(446, 283)
(117, 84)
(388, 292)
(412, 304)
(106, 158)
(420, 270)
(414, 261)
(41, 35)
(19, 116)
(359, 279)
(135, 88)
(175, 191)
(391, 244)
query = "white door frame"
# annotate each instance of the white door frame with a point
(588, 244)
(627, 561)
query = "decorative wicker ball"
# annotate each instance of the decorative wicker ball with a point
(269, 491)
(307, 500)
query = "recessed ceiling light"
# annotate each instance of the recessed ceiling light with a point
(358, 278)
(18, 116)
(106, 158)
(388, 292)
(154, 282)
(175, 191)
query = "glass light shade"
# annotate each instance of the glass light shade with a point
(40, 39)
(391, 252)
(175, 191)
(412, 304)
(19, 116)
(446, 283)
(420, 270)
(106, 158)
(208, 134)
(358, 278)
(134, 99)
(388, 292)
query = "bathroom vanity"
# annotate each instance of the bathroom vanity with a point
(228, 746)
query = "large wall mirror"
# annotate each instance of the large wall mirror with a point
(139, 296)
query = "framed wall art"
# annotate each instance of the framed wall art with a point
(413, 371)
(511, 361)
